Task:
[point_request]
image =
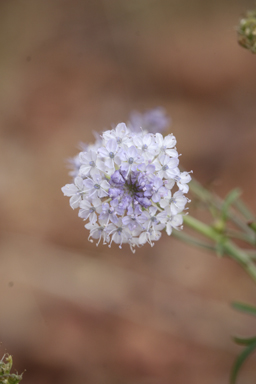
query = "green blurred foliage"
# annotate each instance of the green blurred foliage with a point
(6, 377)
(247, 31)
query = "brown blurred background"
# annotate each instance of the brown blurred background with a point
(74, 313)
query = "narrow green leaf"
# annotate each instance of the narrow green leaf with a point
(252, 225)
(193, 241)
(249, 309)
(241, 236)
(229, 200)
(244, 341)
(245, 211)
(220, 249)
(251, 253)
(240, 360)
(211, 199)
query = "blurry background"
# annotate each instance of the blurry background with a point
(71, 312)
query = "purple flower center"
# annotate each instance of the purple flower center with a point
(131, 190)
(111, 155)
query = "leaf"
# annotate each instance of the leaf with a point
(220, 249)
(249, 309)
(242, 207)
(252, 225)
(244, 341)
(191, 240)
(229, 200)
(240, 360)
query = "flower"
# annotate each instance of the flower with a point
(90, 164)
(128, 187)
(155, 120)
(74, 191)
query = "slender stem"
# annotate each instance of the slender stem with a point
(251, 253)
(228, 246)
(242, 207)
(191, 240)
(202, 228)
(241, 257)
(208, 197)
(241, 236)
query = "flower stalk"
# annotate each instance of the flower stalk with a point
(227, 246)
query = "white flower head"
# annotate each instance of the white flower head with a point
(128, 187)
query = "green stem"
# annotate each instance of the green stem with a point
(202, 228)
(209, 198)
(241, 236)
(242, 207)
(228, 246)
(251, 253)
(191, 240)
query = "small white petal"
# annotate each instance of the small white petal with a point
(159, 139)
(74, 201)
(172, 152)
(169, 229)
(105, 185)
(169, 141)
(183, 187)
(69, 189)
(79, 182)
(112, 146)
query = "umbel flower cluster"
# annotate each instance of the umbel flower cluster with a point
(247, 31)
(128, 187)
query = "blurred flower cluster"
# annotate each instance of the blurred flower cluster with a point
(247, 31)
(154, 121)
(6, 377)
(127, 185)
